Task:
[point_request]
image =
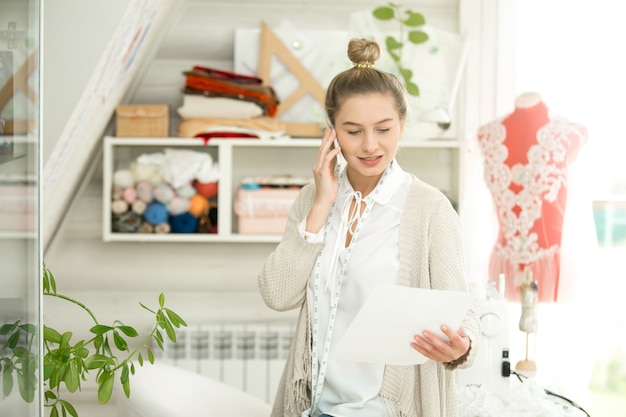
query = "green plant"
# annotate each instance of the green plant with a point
(67, 362)
(410, 20)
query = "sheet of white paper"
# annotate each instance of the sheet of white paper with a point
(384, 327)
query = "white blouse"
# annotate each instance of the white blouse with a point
(352, 388)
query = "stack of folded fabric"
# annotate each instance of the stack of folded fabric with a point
(219, 103)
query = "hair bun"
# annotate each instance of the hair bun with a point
(363, 52)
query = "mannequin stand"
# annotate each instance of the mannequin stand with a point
(526, 365)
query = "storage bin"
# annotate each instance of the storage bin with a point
(263, 210)
(142, 120)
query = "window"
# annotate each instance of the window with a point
(570, 52)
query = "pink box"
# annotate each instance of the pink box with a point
(263, 210)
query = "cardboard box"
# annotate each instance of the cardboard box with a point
(142, 120)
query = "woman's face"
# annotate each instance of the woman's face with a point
(368, 129)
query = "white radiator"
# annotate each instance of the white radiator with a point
(249, 357)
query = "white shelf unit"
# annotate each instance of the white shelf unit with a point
(435, 161)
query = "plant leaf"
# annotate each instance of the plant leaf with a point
(98, 361)
(392, 43)
(51, 335)
(150, 356)
(13, 340)
(418, 36)
(119, 341)
(69, 407)
(176, 320)
(414, 19)
(412, 89)
(9, 327)
(72, 378)
(128, 331)
(54, 412)
(65, 339)
(140, 359)
(106, 388)
(383, 13)
(100, 329)
(161, 300)
(7, 379)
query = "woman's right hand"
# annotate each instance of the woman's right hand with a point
(326, 182)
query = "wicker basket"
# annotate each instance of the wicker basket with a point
(142, 120)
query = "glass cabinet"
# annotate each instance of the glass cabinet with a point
(20, 254)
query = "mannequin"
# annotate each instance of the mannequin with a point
(526, 156)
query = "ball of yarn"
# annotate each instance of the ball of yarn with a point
(177, 205)
(183, 223)
(206, 189)
(198, 205)
(186, 191)
(130, 195)
(144, 191)
(123, 178)
(119, 206)
(156, 213)
(139, 207)
(162, 228)
(163, 193)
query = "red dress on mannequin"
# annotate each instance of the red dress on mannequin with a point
(526, 156)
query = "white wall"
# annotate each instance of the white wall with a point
(75, 33)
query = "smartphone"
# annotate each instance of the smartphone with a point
(339, 159)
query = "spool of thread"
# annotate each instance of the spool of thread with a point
(198, 205)
(119, 206)
(162, 228)
(144, 191)
(156, 213)
(183, 223)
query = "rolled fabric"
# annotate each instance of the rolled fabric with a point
(156, 213)
(183, 223)
(119, 206)
(177, 205)
(144, 191)
(198, 205)
(146, 228)
(163, 193)
(162, 228)
(130, 195)
(139, 207)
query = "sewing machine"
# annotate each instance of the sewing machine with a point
(493, 352)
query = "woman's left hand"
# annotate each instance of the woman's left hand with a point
(431, 346)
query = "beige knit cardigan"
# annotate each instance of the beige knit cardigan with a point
(431, 256)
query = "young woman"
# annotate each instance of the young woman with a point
(364, 223)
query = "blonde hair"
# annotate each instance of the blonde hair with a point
(363, 78)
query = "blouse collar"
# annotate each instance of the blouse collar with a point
(387, 188)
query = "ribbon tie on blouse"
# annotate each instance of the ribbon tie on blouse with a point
(349, 218)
